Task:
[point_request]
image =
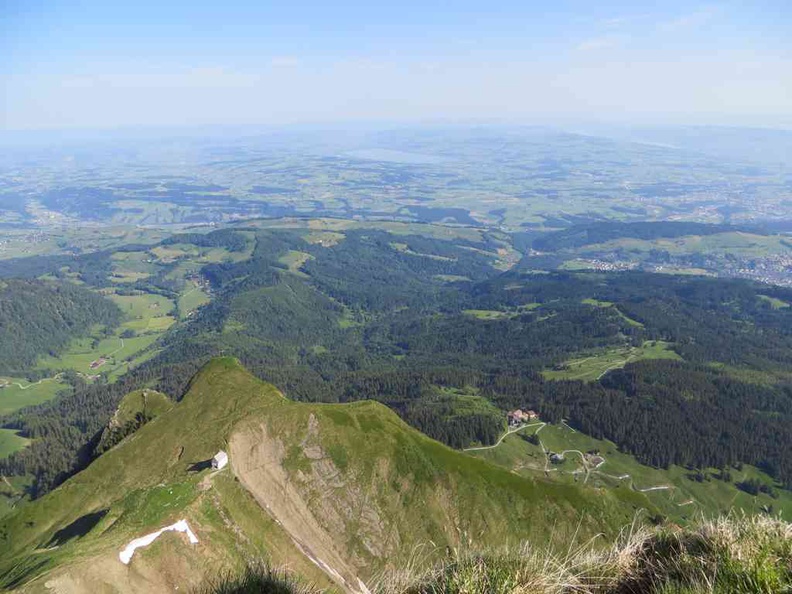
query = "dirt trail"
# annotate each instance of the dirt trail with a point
(659, 488)
(504, 436)
(256, 460)
(21, 387)
(585, 469)
(118, 349)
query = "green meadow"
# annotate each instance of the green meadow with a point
(18, 392)
(595, 365)
(10, 442)
(193, 298)
(146, 316)
(736, 243)
(677, 492)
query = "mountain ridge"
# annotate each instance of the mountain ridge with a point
(354, 475)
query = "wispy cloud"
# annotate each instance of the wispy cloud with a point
(614, 22)
(285, 61)
(692, 20)
(600, 43)
(620, 21)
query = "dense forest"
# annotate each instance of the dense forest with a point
(93, 269)
(41, 317)
(375, 316)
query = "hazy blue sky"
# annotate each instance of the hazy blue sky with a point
(107, 63)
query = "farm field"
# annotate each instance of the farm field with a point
(676, 491)
(184, 259)
(734, 243)
(59, 239)
(14, 397)
(493, 314)
(82, 353)
(146, 315)
(193, 298)
(594, 366)
(145, 312)
(684, 270)
(196, 255)
(128, 277)
(192, 253)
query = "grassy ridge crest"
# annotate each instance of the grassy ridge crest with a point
(360, 471)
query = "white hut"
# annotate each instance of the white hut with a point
(220, 460)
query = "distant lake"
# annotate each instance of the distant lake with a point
(396, 156)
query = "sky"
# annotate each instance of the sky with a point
(120, 64)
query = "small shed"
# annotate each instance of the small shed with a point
(220, 460)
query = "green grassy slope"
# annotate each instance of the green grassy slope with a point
(357, 470)
(596, 364)
(148, 402)
(382, 489)
(16, 393)
(730, 555)
(10, 442)
(145, 483)
(678, 493)
(135, 409)
(144, 318)
(735, 243)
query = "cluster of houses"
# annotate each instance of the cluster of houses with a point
(519, 417)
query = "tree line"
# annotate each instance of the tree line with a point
(369, 318)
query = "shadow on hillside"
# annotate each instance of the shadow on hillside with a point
(80, 527)
(199, 466)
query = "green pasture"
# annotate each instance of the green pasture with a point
(193, 298)
(595, 365)
(17, 392)
(11, 442)
(682, 494)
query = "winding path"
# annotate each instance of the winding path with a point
(118, 349)
(585, 468)
(658, 488)
(504, 436)
(21, 387)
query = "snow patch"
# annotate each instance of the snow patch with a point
(144, 541)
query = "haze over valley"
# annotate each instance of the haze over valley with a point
(395, 300)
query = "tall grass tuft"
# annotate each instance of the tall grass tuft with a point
(736, 554)
(257, 579)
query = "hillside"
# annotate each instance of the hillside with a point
(668, 247)
(680, 494)
(732, 554)
(348, 488)
(729, 555)
(40, 317)
(135, 410)
(433, 328)
(580, 235)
